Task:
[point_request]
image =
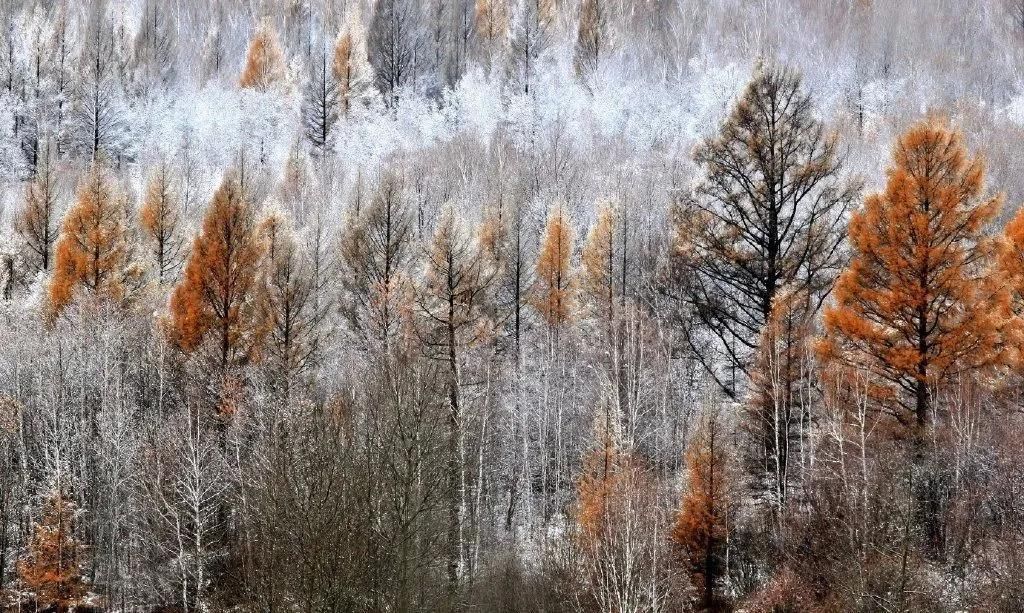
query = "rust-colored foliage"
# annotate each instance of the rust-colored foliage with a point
(492, 22)
(264, 64)
(52, 567)
(554, 287)
(599, 264)
(351, 66)
(94, 250)
(913, 307)
(776, 410)
(491, 19)
(700, 529)
(216, 297)
(1010, 272)
(610, 478)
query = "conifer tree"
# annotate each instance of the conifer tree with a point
(217, 297)
(777, 413)
(95, 248)
(599, 263)
(700, 530)
(53, 567)
(912, 307)
(530, 37)
(36, 223)
(768, 214)
(160, 218)
(293, 315)
(100, 125)
(554, 288)
(320, 102)
(375, 252)
(264, 63)
(451, 301)
(492, 24)
(395, 46)
(351, 65)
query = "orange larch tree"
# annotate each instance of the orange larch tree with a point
(701, 526)
(51, 569)
(913, 306)
(554, 286)
(776, 414)
(1010, 272)
(216, 298)
(351, 66)
(264, 64)
(95, 248)
(599, 262)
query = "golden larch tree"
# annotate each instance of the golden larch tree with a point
(95, 249)
(160, 218)
(700, 530)
(912, 307)
(351, 65)
(1010, 273)
(598, 282)
(264, 64)
(217, 297)
(776, 416)
(554, 287)
(52, 568)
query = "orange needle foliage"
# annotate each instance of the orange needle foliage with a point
(599, 263)
(553, 290)
(264, 65)
(216, 296)
(93, 250)
(700, 529)
(1011, 273)
(51, 569)
(913, 307)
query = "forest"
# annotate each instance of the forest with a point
(539, 306)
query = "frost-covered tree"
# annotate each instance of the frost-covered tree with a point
(395, 46)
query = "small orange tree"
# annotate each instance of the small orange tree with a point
(351, 66)
(553, 288)
(52, 567)
(913, 307)
(94, 250)
(264, 64)
(700, 529)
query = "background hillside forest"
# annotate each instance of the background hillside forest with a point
(612, 306)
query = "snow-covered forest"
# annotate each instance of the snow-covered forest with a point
(625, 306)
